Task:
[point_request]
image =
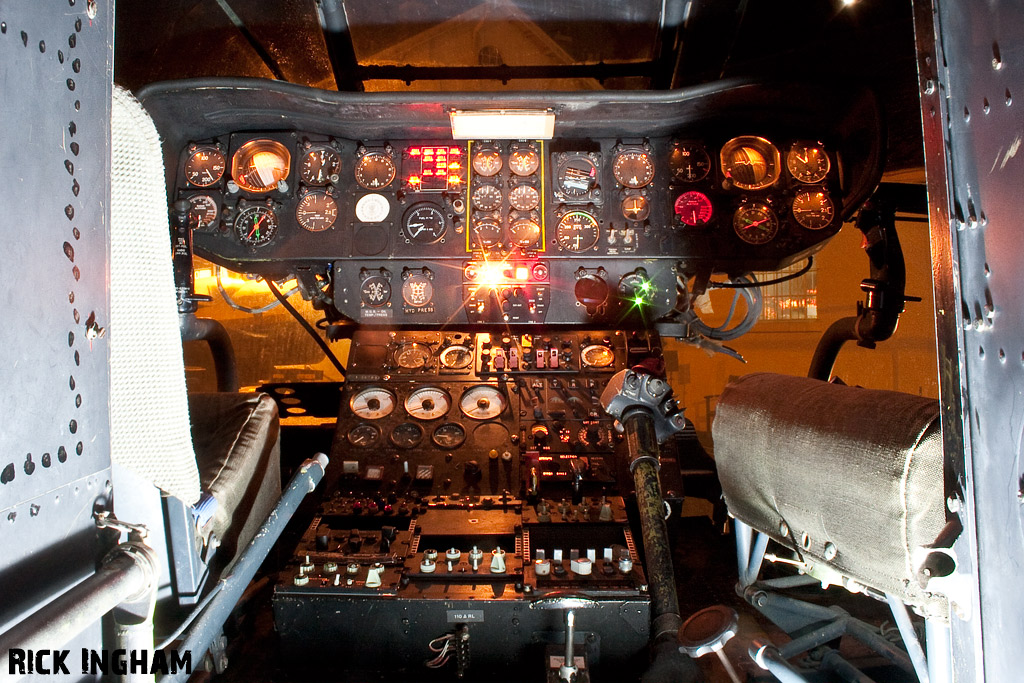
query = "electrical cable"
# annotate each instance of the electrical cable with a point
(778, 280)
(239, 307)
(309, 328)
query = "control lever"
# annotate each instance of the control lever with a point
(643, 404)
(181, 258)
(578, 467)
(570, 603)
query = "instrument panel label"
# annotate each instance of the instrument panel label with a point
(462, 616)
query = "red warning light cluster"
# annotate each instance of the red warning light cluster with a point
(433, 168)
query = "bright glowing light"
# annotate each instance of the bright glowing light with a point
(522, 273)
(645, 286)
(849, 3)
(492, 274)
(502, 125)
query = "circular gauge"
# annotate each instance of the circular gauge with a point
(693, 208)
(417, 290)
(487, 198)
(320, 165)
(372, 403)
(256, 225)
(449, 435)
(689, 163)
(364, 436)
(813, 210)
(487, 162)
(316, 211)
(406, 435)
(577, 175)
(487, 232)
(425, 223)
(577, 231)
(524, 198)
(808, 163)
(636, 208)
(755, 223)
(203, 212)
(637, 287)
(597, 356)
(258, 165)
(482, 402)
(525, 232)
(524, 162)
(205, 166)
(633, 169)
(372, 208)
(413, 356)
(456, 357)
(428, 403)
(375, 291)
(752, 163)
(375, 170)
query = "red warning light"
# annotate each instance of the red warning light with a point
(433, 168)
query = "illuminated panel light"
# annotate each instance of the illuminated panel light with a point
(503, 125)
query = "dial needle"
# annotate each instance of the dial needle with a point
(256, 226)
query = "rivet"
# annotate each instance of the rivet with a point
(831, 551)
(783, 528)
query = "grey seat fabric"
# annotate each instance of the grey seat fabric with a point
(238, 452)
(850, 479)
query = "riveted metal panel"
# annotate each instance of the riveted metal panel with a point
(972, 77)
(55, 75)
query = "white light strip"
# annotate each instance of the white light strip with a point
(503, 125)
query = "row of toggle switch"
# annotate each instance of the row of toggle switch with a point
(453, 556)
(581, 564)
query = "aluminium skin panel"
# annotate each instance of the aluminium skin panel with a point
(55, 69)
(971, 65)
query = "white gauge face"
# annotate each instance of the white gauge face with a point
(372, 403)
(372, 208)
(412, 356)
(456, 357)
(428, 403)
(482, 403)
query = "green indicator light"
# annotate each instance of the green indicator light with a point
(646, 286)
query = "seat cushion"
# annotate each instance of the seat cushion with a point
(848, 478)
(236, 442)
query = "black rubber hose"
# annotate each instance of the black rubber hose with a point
(825, 354)
(216, 336)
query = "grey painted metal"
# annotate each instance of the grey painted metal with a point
(128, 574)
(910, 640)
(973, 138)
(940, 658)
(750, 547)
(55, 71)
(767, 657)
(209, 624)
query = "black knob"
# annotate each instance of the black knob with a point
(388, 532)
(323, 537)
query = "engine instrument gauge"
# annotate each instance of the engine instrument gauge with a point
(487, 232)
(577, 231)
(487, 162)
(425, 223)
(372, 403)
(320, 165)
(456, 357)
(256, 225)
(636, 208)
(577, 175)
(525, 232)
(808, 162)
(813, 209)
(449, 435)
(597, 356)
(375, 170)
(689, 163)
(406, 435)
(487, 198)
(750, 162)
(203, 212)
(524, 198)
(693, 208)
(633, 169)
(316, 211)
(755, 223)
(205, 166)
(417, 290)
(428, 403)
(412, 356)
(482, 402)
(524, 162)
(364, 436)
(258, 165)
